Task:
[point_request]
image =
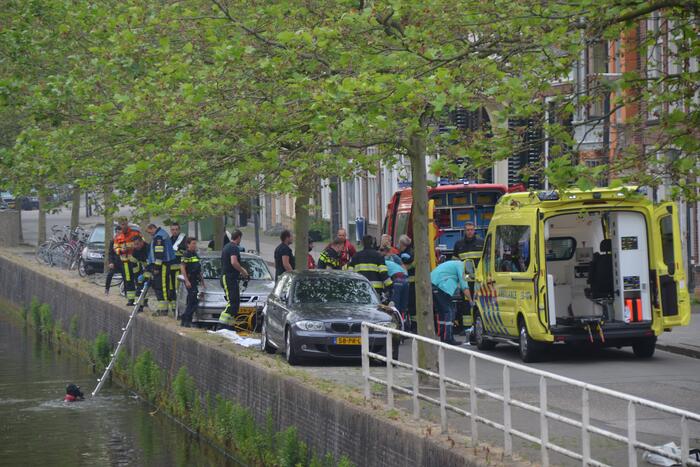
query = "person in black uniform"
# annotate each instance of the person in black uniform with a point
(330, 257)
(370, 263)
(284, 258)
(114, 263)
(191, 269)
(140, 255)
(470, 242)
(177, 238)
(232, 271)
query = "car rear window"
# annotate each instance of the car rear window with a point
(333, 290)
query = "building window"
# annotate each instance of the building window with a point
(603, 179)
(372, 194)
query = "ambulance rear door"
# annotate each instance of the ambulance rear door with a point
(672, 292)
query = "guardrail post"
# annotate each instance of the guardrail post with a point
(585, 422)
(544, 423)
(443, 390)
(472, 400)
(507, 436)
(365, 359)
(685, 445)
(631, 435)
(390, 370)
(414, 377)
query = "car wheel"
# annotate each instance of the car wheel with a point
(290, 353)
(482, 342)
(645, 347)
(264, 341)
(530, 350)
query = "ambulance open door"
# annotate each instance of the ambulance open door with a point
(672, 286)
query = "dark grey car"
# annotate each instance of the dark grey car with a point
(319, 314)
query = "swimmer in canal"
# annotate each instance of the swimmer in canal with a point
(73, 393)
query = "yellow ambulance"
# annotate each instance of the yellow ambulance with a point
(602, 267)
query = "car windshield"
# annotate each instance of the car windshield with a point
(97, 235)
(211, 268)
(333, 290)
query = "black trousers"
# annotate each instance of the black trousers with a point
(192, 302)
(173, 271)
(160, 285)
(232, 293)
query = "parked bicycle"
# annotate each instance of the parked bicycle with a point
(63, 248)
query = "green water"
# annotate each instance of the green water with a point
(38, 429)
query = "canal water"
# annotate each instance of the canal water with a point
(38, 429)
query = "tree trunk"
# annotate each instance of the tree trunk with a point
(75, 208)
(41, 232)
(21, 234)
(109, 223)
(301, 229)
(427, 355)
(219, 232)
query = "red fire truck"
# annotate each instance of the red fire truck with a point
(455, 205)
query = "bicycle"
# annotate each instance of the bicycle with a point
(58, 237)
(67, 253)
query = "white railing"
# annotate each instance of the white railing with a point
(545, 415)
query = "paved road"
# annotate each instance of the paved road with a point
(667, 378)
(30, 221)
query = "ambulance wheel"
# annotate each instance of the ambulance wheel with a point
(530, 350)
(264, 341)
(482, 342)
(645, 347)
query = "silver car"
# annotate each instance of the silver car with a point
(254, 295)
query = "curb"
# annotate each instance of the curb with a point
(680, 350)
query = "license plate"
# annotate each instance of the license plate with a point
(347, 340)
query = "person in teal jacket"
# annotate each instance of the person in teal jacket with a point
(447, 279)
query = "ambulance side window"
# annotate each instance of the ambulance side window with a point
(667, 243)
(512, 248)
(487, 255)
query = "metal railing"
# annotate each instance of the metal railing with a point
(545, 415)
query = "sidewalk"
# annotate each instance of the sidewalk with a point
(683, 340)
(268, 244)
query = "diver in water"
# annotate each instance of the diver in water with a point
(73, 393)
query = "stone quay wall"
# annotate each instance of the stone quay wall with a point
(326, 422)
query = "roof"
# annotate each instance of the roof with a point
(629, 194)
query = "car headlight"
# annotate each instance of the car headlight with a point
(311, 325)
(389, 324)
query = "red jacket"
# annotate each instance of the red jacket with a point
(310, 263)
(347, 253)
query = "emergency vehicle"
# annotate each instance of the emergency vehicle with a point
(454, 205)
(603, 267)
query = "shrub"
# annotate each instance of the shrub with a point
(101, 350)
(291, 451)
(147, 376)
(323, 227)
(35, 312)
(183, 393)
(45, 320)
